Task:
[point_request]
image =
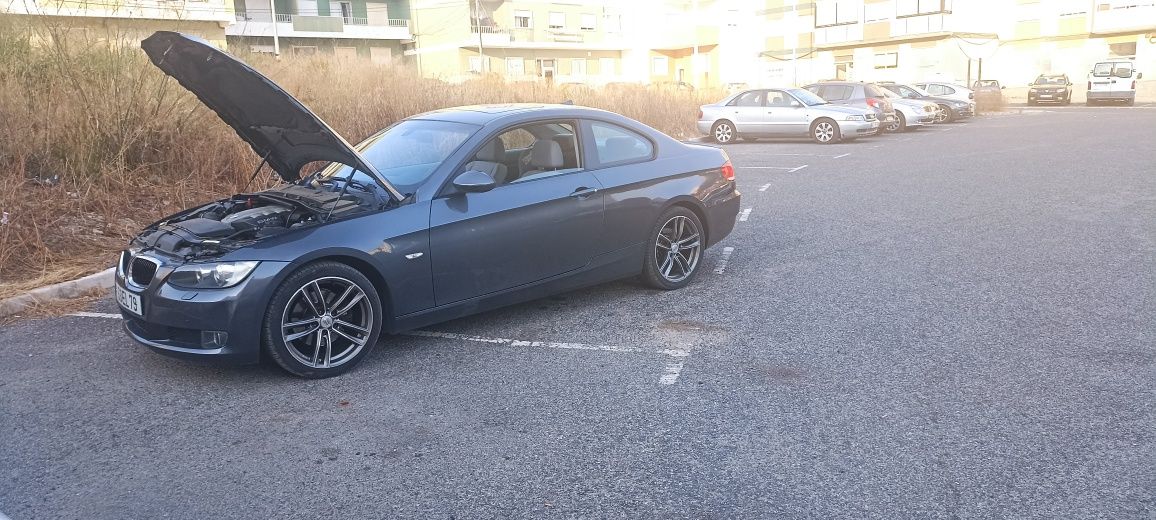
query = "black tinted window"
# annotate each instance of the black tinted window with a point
(836, 92)
(873, 91)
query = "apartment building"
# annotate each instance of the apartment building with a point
(349, 29)
(1011, 40)
(124, 20)
(569, 41)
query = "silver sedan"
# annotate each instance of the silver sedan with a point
(783, 112)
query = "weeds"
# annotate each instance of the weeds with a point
(95, 142)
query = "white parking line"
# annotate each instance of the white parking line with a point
(840, 156)
(796, 169)
(669, 376)
(722, 262)
(96, 315)
(745, 215)
(764, 168)
(764, 187)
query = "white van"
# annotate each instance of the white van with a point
(1113, 80)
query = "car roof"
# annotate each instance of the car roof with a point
(485, 114)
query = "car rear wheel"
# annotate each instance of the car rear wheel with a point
(825, 131)
(322, 320)
(676, 247)
(723, 132)
(899, 125)
(944, 114)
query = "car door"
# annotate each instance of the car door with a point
(785, 114)
(534, 227)
(746, 112)
(1122, 79)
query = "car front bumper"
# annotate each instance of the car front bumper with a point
(1048, 97)
(858, 128)
(215, 325)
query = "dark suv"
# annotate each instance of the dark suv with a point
(856, 94)
(1050, 88)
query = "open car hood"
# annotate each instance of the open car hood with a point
(275, 124)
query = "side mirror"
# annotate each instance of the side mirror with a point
(1001, 87)
(1139, 75)
(474, 181)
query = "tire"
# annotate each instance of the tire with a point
(1132, 102)
(900, 124)
(1068, 100)
(723, 132)
(1089, 103)
(825, 131)
(669, 268)
(336, 302)
(945, 115)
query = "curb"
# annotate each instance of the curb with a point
(69, 289)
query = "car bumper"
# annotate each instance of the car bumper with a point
(961, 112)
(722, 209)
(857, 128)
(215, 325)
(704, 127)
(1116, 96)
(1050, 97)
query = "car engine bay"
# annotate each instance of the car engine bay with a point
(225, 225)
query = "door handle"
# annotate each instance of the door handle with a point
(583, 192)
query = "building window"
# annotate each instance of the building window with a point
(876, 12)
(612, 22)
(523, 19)
(588, 22)
(557, 20)
(1122, 50)
(887, 60)
(906, 8)
(304, 50)
(578, 67)
(837, 12)
(515, 67)
(476, 64)
(660, 66)
(607, 66)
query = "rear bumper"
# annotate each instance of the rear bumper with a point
(722, 209)
(1115, 96)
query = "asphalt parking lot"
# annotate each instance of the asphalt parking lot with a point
(954, 322)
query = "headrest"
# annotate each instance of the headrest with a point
(619, 148)
(546, 154)
(493, 151)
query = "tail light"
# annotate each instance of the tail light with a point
(728, 170)
(700, 115)
(971, 95)
(1133, 84)
(872, 102)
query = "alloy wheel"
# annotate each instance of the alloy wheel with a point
(942, 114)
(677, 249)
(824, 132)
(723, 132)
(327, 322)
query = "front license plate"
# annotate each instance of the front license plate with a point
(128, 301)
(1045, 96)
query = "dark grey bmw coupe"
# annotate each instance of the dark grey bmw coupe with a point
(438, 216)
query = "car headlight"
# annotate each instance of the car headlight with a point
(856, 118)
(212, 275)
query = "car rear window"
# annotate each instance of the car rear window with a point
(1102, 70)
(835, 92)
(873, 91)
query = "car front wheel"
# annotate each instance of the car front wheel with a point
(723, 132)
(674, 250)
(825, 131)
(322, 320)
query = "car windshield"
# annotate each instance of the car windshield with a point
(987, 83)
(1102, 70)
(807, 97)
(407, 152)
(1051, 80)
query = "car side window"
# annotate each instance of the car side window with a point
(615, 144)
(777, 98)
(528, 152)
(907, 92)
(836, 92)
(753, 98)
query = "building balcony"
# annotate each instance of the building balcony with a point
(549, 38)
(257, 24)
(186, 10)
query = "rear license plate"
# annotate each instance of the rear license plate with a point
(128, 301)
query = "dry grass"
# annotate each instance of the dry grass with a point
(96, 143)
(52, 308)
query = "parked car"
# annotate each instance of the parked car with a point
(988, 92)
(783, 112)
(910, 113)
(1113, 80)
(948, 90)
(438, 216)
(1050, 88)
(857, 94)
(950, 109)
